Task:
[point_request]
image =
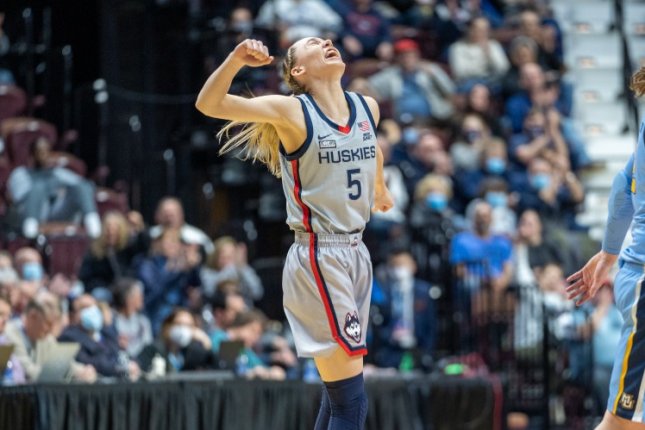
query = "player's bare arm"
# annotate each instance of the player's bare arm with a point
(281, 111)
(383, 200)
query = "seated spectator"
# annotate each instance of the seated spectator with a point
(16, 373)
(532, 252)
(111, 255)
(29, 265)
(226, 304)
(432, 225)
(408, 311)
(43, 192)
(417, 89)
(496, 193)
(493, 163)
(99, 343)
(168, 274)
(229, 262)
(366, 33)
(420, 158)
(31, 334)
(523, 50)
(554, 193)
(479, 257)
(132, 326)
(181, 344)
(473, 135)
(295, 19)
(8, 275)
(477, 58)
(170, 216)
(479, 102)
(540, 137)
(531, 26)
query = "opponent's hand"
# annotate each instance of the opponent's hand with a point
(585, 283)
(251, 53)
(383, 201)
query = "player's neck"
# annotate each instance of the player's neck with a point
(330, 97)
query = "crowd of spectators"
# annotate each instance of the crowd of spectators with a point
(483, 161)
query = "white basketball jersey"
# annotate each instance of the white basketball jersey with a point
(329, 180)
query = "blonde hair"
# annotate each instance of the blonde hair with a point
(637, 84)
(220, 243)
(260, 140)
(431, 182)
(99, 246)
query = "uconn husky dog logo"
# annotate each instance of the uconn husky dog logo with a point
(353, 326)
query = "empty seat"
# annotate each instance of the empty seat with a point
(110, 200)
(65, 251)
(605, 118)
(19, 139)
(593, 51)
(13, 101)
(598, 85)
(636, 48)
(634, 18)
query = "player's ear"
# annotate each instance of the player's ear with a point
(297, 70)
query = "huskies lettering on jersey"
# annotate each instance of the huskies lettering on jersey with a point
(353, 327)
(347, 155)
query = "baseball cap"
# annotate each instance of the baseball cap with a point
(405, 45)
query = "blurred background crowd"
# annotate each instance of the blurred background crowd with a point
(502, 124)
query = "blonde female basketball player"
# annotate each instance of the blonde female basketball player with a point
(322, 142)
(626, 207)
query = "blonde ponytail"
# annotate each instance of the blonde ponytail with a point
(637, 84)
(260, 141)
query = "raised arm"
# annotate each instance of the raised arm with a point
(214, 101)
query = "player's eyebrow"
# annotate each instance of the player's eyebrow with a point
(313, 40)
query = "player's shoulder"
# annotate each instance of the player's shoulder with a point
(372, 105)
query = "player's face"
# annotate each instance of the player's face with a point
(318, 58)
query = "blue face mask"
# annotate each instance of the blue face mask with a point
(32, 271)
(92, 318)
(540, 181)
(495, 165)
(410, 136)
(497, 199)
(437, 202)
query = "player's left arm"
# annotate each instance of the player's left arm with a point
(383, 200)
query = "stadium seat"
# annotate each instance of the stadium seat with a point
(634, 18)
(593, 51)
(607, 118)
(598, 85)
(110, 200)
(597, 16)
(636, 49)
(65, 250)
(13, 101)
(23, 134)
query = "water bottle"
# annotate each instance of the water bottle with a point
(7, 378)
(241, 365)
(309, 372)
(158, 369)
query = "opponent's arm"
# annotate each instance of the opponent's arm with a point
(383, 200)
(621, 210)
(213, 99)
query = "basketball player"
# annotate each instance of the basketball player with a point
(322, 142)
(626, 205)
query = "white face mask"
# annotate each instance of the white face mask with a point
(181, 335)
(401, 272)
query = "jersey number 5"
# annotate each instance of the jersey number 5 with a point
(354, 184)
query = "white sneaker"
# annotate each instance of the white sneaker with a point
(92, 223)
(30, 228)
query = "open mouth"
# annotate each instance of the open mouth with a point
(331, 53)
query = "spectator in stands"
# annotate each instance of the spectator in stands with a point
(540, 137)
(408, 311)
(479, 102)
(17, 372)
(8, 275)
(295, 19)
(477, 58)
(495, 191)
(478, 255)
(99, 344)
(170, 216)
(111, 255)
(531, 26)
(182, 345)
(532, 251)
(432, 226)
(420, 158)
(554, 192)
(29, 265)
(366, 33)
(43, 192)
(225, 305)
(523, 50)
(132, 326)
(168, 274)
(229, 261)
(417, 89)
(31, 335)
(474, 134)
(493, 163)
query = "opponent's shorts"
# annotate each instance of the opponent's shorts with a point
(327, 283)
(627, 385)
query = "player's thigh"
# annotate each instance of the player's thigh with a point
(339, 365)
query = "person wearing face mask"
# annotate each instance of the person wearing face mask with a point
(182, 345)
(99, 345)
(408, 311)
(466, 152)
(540, 137)
(29, 265)
(553, 193)
(432, 226)
(495, 191)
(132, 326)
